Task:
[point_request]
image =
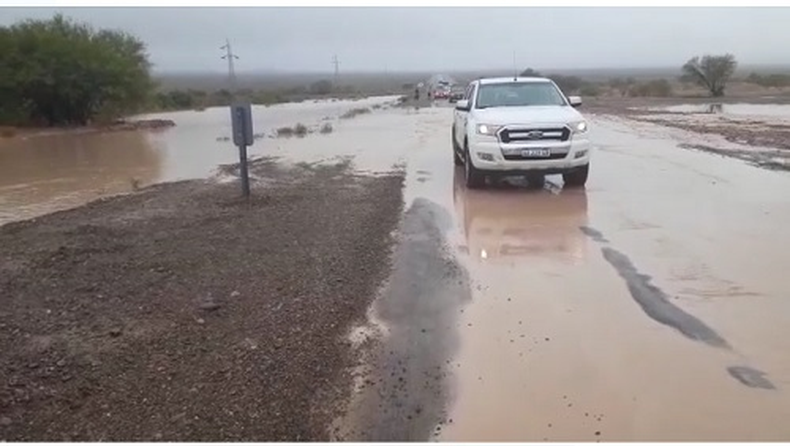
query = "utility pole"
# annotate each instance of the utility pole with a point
(241, 121)
(336, 63)
(231, 71)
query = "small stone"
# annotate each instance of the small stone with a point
(597, 433)
(115, 332)
(157, 436)
(235, 294)
(5, 421)
(61, 363)
(209, 305)
(548, 339)
(200, 321)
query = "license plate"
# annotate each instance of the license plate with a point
(536, 153)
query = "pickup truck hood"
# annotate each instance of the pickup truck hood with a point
(553, 114)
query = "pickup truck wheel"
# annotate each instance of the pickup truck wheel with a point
(577, 177)
(456, 156)
(474, 179)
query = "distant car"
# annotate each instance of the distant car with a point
(456, 94)
(441, 93)
(520, 126)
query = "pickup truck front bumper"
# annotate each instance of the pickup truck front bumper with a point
(490, 156)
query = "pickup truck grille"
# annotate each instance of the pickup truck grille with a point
(519, 157)
(508, 135)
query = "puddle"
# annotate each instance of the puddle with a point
(44, 173)
(751, 110)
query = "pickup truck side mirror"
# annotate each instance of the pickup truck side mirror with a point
(462, 105)
(575, 101)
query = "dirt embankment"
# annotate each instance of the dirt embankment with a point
(185, 313)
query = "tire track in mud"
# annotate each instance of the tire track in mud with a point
(657, 305)
(405, 394)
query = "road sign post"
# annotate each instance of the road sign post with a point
(241, 119)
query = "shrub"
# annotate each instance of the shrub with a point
(659, 88)
(354, 112)
(285, 131)
(300, 129)
(591, 90)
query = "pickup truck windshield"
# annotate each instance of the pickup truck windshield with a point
(518, 94)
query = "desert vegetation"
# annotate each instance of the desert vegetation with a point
(710, 72)
(59, 72)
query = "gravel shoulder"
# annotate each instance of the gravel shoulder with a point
(182, 312)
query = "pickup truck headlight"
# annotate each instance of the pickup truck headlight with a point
(579, 126)
(488, 129)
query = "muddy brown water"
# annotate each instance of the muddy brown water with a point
(652, 305)
(40, 174)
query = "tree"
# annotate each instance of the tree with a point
(529, 72)
(58, 72)
(711, 72)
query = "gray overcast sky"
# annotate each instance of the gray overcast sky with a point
(188, 39)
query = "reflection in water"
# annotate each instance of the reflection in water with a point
(46, 173)
(715, 109)
(508, 223)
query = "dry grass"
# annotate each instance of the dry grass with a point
(326, 128)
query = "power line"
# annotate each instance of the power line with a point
(229, 56)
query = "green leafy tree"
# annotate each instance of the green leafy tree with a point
(710, 72)
(58, 72)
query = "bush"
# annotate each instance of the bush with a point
(659, 88)
(590, 90)
(57, 72)
(326, 128)
(322, 87)
(300, 129)
(285, 131)
(354, 112)
(529, 72)
(770, 80)
(568, 84)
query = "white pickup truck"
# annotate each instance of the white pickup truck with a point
(520, 126)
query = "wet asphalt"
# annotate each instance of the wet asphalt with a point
(648, 306)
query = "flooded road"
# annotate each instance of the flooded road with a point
(650, 306)
(44, 173)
